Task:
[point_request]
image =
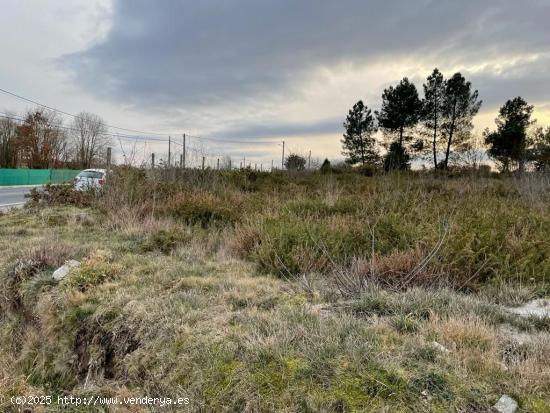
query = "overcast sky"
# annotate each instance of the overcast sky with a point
(264, 70)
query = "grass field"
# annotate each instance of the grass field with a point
(256, 292)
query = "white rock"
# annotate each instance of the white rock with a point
(65, 269)
(506, 405)
(440, 347)
(538, 308)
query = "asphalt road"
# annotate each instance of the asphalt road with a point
(12, 197)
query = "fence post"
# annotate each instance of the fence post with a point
(183, 155)
(109, 158)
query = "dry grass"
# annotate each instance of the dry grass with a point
(165, 305)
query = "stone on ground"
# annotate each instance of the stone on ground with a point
(506, 405)
(65, 269)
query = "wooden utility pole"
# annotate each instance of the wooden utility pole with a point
(283, 158)
(230, 164)
(183, 164)
(309, 161)
(218, 164)
(109, 158)
(169, 150)
(203, 163)
(152, 161)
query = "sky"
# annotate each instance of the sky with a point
(246, 74)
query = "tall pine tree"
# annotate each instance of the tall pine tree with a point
(509, 143)
(432, 109)
(358, 142)
(460, 105)
(401, 109)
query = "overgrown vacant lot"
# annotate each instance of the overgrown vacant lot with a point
(298, 293)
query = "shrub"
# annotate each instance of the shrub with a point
(60, 195)
(163, 241)
(204, 211)
(326, 167)
(366, 170)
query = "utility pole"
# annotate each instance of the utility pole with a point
(203, 163)
(230, 164)
(309, 161)
(108, 158)
(169, 150)
(283, 158)
(218, 164)
(152, 161)
(272, 165)
(183, 163)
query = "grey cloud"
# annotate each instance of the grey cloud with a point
(190, 53)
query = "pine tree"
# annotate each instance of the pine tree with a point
(432, 108)
(401, 109)
(509, 143)
(460, 105)
(358, 141)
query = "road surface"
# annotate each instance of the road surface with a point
(12, 197)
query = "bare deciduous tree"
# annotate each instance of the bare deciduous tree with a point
(8, 143)
(41, 142)
(89, 139)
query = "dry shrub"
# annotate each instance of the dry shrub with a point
(534, 188)
(397, 271)
(245, 239)
(54, 255)
(473, 344)
(30, 264)
(529, 361)
(393, 270)
(61, 195)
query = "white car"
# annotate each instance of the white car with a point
(90, 179)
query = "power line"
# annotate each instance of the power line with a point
(76, 116)
(116, 135)
(135, 130)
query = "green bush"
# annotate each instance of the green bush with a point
(205, 212)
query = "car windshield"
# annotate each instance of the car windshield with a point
(90, 174)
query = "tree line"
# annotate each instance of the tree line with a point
(40, 140)
(439, 126)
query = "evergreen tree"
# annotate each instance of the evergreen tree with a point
(540, 153)
(509, 143)
(295, 162)
(401, 109)
(432, 108)
(396, 158)
(460, 105)
(326, 167)
(358, 142)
